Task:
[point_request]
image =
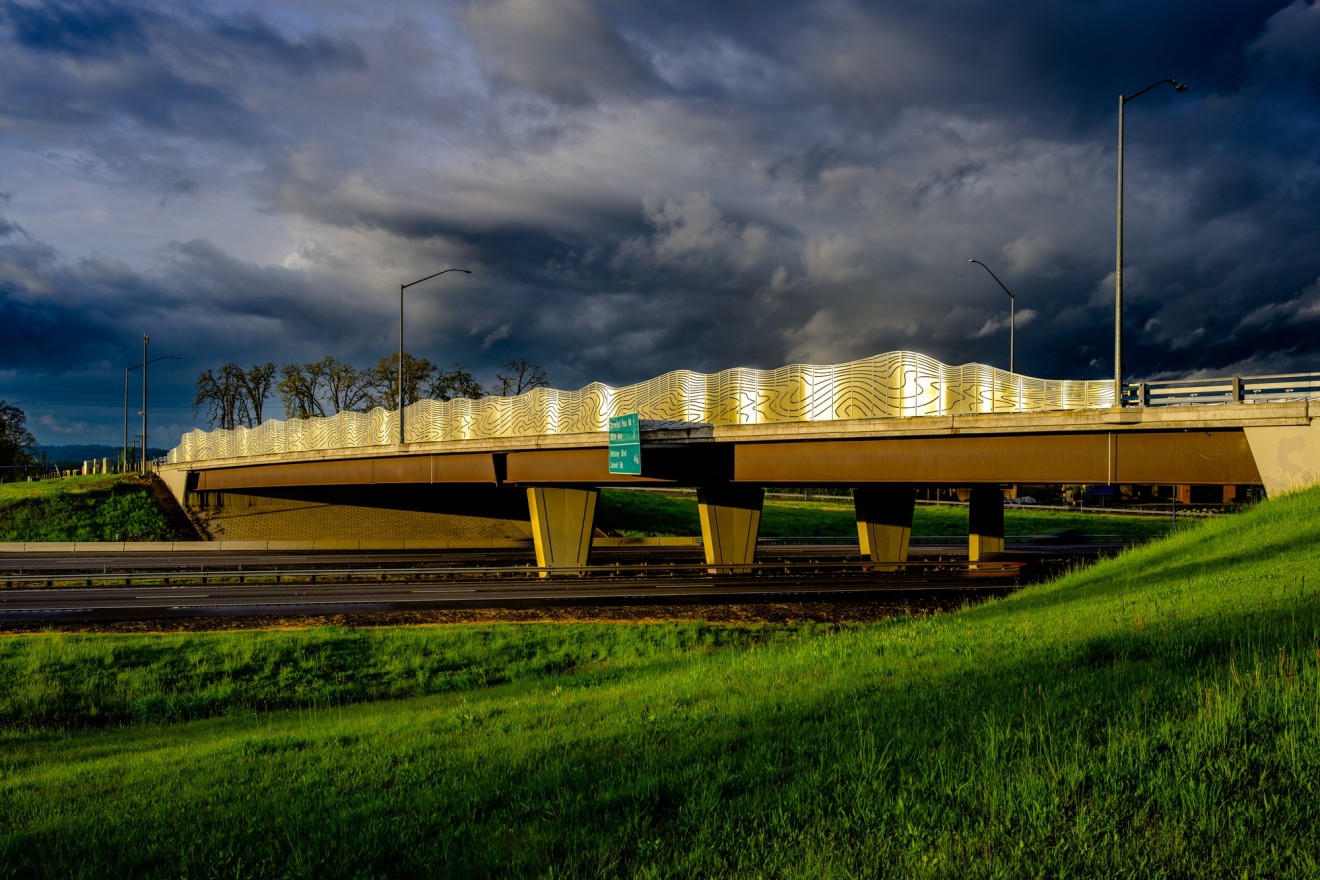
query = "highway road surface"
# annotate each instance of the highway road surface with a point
(363, 590)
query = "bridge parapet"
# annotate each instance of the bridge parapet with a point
(1234, 389)
(894, 385)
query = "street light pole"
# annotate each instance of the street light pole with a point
(123, 453)
(1012, 313)
(123, 463)
(145, 339)
(1118, 250)
(402, 288)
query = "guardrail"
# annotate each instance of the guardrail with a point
(1234, 389)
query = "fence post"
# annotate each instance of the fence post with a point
(1236, 390)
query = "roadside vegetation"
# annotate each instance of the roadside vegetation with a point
(1156, 714)
(106, 507)
(651, 514)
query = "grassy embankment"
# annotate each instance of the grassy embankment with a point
(646, 514)
(1157, 714)
(107, 507)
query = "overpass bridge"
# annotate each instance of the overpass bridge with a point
(881, 426)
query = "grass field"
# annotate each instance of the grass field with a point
(105, 507)
(649, 514)
(1155, 715)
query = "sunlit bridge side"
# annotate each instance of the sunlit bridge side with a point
(894, 385)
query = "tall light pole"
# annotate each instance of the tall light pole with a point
(145, 339)
(1118, 256)
(123, 456)
(402, 288)
(1012, 312)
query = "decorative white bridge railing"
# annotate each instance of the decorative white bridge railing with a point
(894, 385)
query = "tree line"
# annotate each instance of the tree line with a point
(16, 441)
(232, 396)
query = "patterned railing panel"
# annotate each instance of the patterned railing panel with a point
(900, 384)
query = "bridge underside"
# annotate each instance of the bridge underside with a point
(551, 491)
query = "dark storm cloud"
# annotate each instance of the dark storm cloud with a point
(76, 29)
(162, 70)
(45, 330)
(81, 30)
(643, 187)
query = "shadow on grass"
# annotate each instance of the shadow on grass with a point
(1076, 757)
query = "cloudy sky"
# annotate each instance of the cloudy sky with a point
(645, 186)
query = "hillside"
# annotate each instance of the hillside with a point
(1157, 714)
(105, 507)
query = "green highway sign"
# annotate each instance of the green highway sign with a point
(626, 444)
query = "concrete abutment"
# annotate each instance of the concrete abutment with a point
(1288, 457)
(399, 515)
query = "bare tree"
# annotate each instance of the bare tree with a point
(453, 384)
(417, 374)
(218, 391)
(523, 375)
(347, 387)
(300, 390)
(256, 382)
(234, 396)
(323, 388)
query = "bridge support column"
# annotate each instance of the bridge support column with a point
(985, 520)
(884, 520)
(562, 521)
(730, 522)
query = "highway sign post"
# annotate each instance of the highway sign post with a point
(626, 444)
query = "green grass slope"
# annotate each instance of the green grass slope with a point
(107, 507)
(649, 514)
(1156, 715)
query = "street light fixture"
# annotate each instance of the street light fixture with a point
(402, 288)
(1118, 257)
(1012, 312)
(123, 455)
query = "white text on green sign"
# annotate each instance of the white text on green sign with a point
(625, 429)
(626, 444)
